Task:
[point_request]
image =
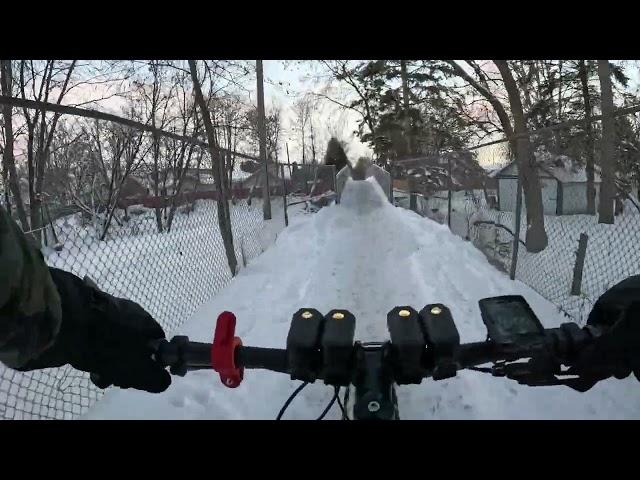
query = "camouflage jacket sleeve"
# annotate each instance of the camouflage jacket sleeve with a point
(30, 311)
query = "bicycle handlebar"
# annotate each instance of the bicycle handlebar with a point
(422, 345)
(183, 355)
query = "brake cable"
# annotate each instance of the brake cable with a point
(290, 399)
(344, 412)
(336, 397)
(333, 400)
(346, 402)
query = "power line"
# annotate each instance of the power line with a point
(109, 117)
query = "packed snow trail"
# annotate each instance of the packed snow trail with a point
(367, 256)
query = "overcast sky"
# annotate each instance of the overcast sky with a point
(284, 83)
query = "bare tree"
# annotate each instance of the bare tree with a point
(156, 104)
(273, 130)
(41, 81)
(8, 159)
(224, 217)
(302, 112)
(483, 86)
(118, 155)
(341, 70)
(179, 153)
(313, 141)
(230, 117)
(73, 168)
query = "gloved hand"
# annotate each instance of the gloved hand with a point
(106, 336)
(617, 351)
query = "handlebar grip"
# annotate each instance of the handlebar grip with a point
(473, 354)
(274, 359)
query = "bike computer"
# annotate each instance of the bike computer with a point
(510, 320)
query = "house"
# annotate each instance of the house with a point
(133, 187)
(254, 181)
(302, 177)
(563, 183)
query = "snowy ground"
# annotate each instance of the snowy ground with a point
(170, 274)
(367, 256)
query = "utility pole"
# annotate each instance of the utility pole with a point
(266, 201)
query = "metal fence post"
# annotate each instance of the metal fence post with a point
(333, 176)
(449, 193)
(413, 202)
(284, 197)
(579, 265)
(306, 180)
(335, 184)
(516, 231)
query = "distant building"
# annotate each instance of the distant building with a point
(255, 180)
(563, 183)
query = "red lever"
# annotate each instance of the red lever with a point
(223, 350)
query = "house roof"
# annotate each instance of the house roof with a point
(494, 172)
(560, 167)
(570, 173)
(255, 177)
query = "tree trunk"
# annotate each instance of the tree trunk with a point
(8, 159)
(231, 161)
(607, 160)
(405, 103)
(313, 144)
(266, 202)
(41, 157)
(304, 159)
(111, 210)
(31, 172)
(178, 190)
(5, 185)
(591, 191)
(536, 237)
(223, 206)
(288, 160)
(156, 179)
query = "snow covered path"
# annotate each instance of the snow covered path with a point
(366, 256)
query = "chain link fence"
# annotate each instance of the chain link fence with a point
(570, 272)
(170, 274)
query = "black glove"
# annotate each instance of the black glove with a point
(616, 352)
(107, 336)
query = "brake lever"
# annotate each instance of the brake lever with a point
(543, 372)
(535, 372)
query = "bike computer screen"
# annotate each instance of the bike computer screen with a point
(509, 319)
